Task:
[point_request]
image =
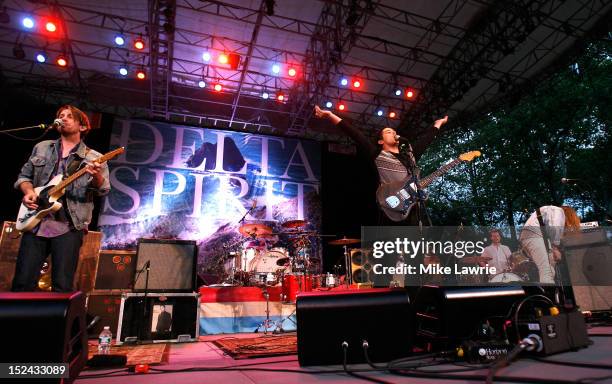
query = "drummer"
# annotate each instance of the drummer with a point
(496, 255)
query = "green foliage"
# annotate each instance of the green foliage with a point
(560, 129)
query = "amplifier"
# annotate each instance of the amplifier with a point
(115, 269)
(171, 265)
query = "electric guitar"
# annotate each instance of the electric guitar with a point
(397, 197)
(50, 193)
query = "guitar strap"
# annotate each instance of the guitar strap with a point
(543, 230)
(75, 164)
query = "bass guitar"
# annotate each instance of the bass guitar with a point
(50, 193)
(397, 197)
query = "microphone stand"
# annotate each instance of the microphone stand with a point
(39, 126)
(147, 268)
(247, 213)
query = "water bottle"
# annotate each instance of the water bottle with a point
(104, 341)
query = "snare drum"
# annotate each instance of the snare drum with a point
(505, 277)
(293, 284)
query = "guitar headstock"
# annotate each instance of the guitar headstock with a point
(469, 156)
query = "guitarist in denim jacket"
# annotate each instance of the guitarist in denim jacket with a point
(59, 234)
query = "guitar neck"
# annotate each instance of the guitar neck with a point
(442, 170)
(70, 179)
(67, 181)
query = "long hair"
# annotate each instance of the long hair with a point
(78, 115)
(572, 221)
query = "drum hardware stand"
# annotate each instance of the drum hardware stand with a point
(279, 323)
(267, 323)
(348, 280)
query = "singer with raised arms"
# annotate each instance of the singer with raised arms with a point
(59, 234)
(394, 162)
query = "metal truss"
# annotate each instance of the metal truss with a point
(498, 34)
(477, 51)
(161, 34)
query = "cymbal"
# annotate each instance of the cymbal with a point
(294, 223)
(300, 233)
(254, 229)
(344, 241)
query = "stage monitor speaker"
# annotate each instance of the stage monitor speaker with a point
(588, 258)
(446, 316)
(172, 265)
(115, 269)
(361, 266)
(325, 320)
(41, 327)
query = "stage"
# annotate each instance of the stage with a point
(203, 361)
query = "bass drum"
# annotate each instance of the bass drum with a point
(268, 261)
(505, 277)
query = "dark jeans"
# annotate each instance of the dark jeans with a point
(33, 252)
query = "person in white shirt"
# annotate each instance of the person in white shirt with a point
(558, 222)
(497, 255)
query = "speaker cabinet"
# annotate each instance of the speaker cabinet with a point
(171, 265)
(588, 259)
(325, 320)
(445, 316)
(42, 327)
(115, 269)
(361, 267)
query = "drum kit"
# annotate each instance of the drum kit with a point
(520, 269)
(282, 258)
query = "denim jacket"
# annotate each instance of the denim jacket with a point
(80, 194)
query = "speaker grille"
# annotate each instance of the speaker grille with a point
(172, 265)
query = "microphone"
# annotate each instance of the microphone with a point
(567, 181)
(56, 124)
(401, 139)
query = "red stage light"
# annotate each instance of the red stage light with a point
(233, 60)
(218, 87)
(392, 115)
(141, 74)
(341, 107)
(61, 61)
(409, 93)
(50, 26)
(291, 72)
(356, 83)
(280, 97)
(139, 44)
(223, 59)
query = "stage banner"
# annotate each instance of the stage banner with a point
(180, 182)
